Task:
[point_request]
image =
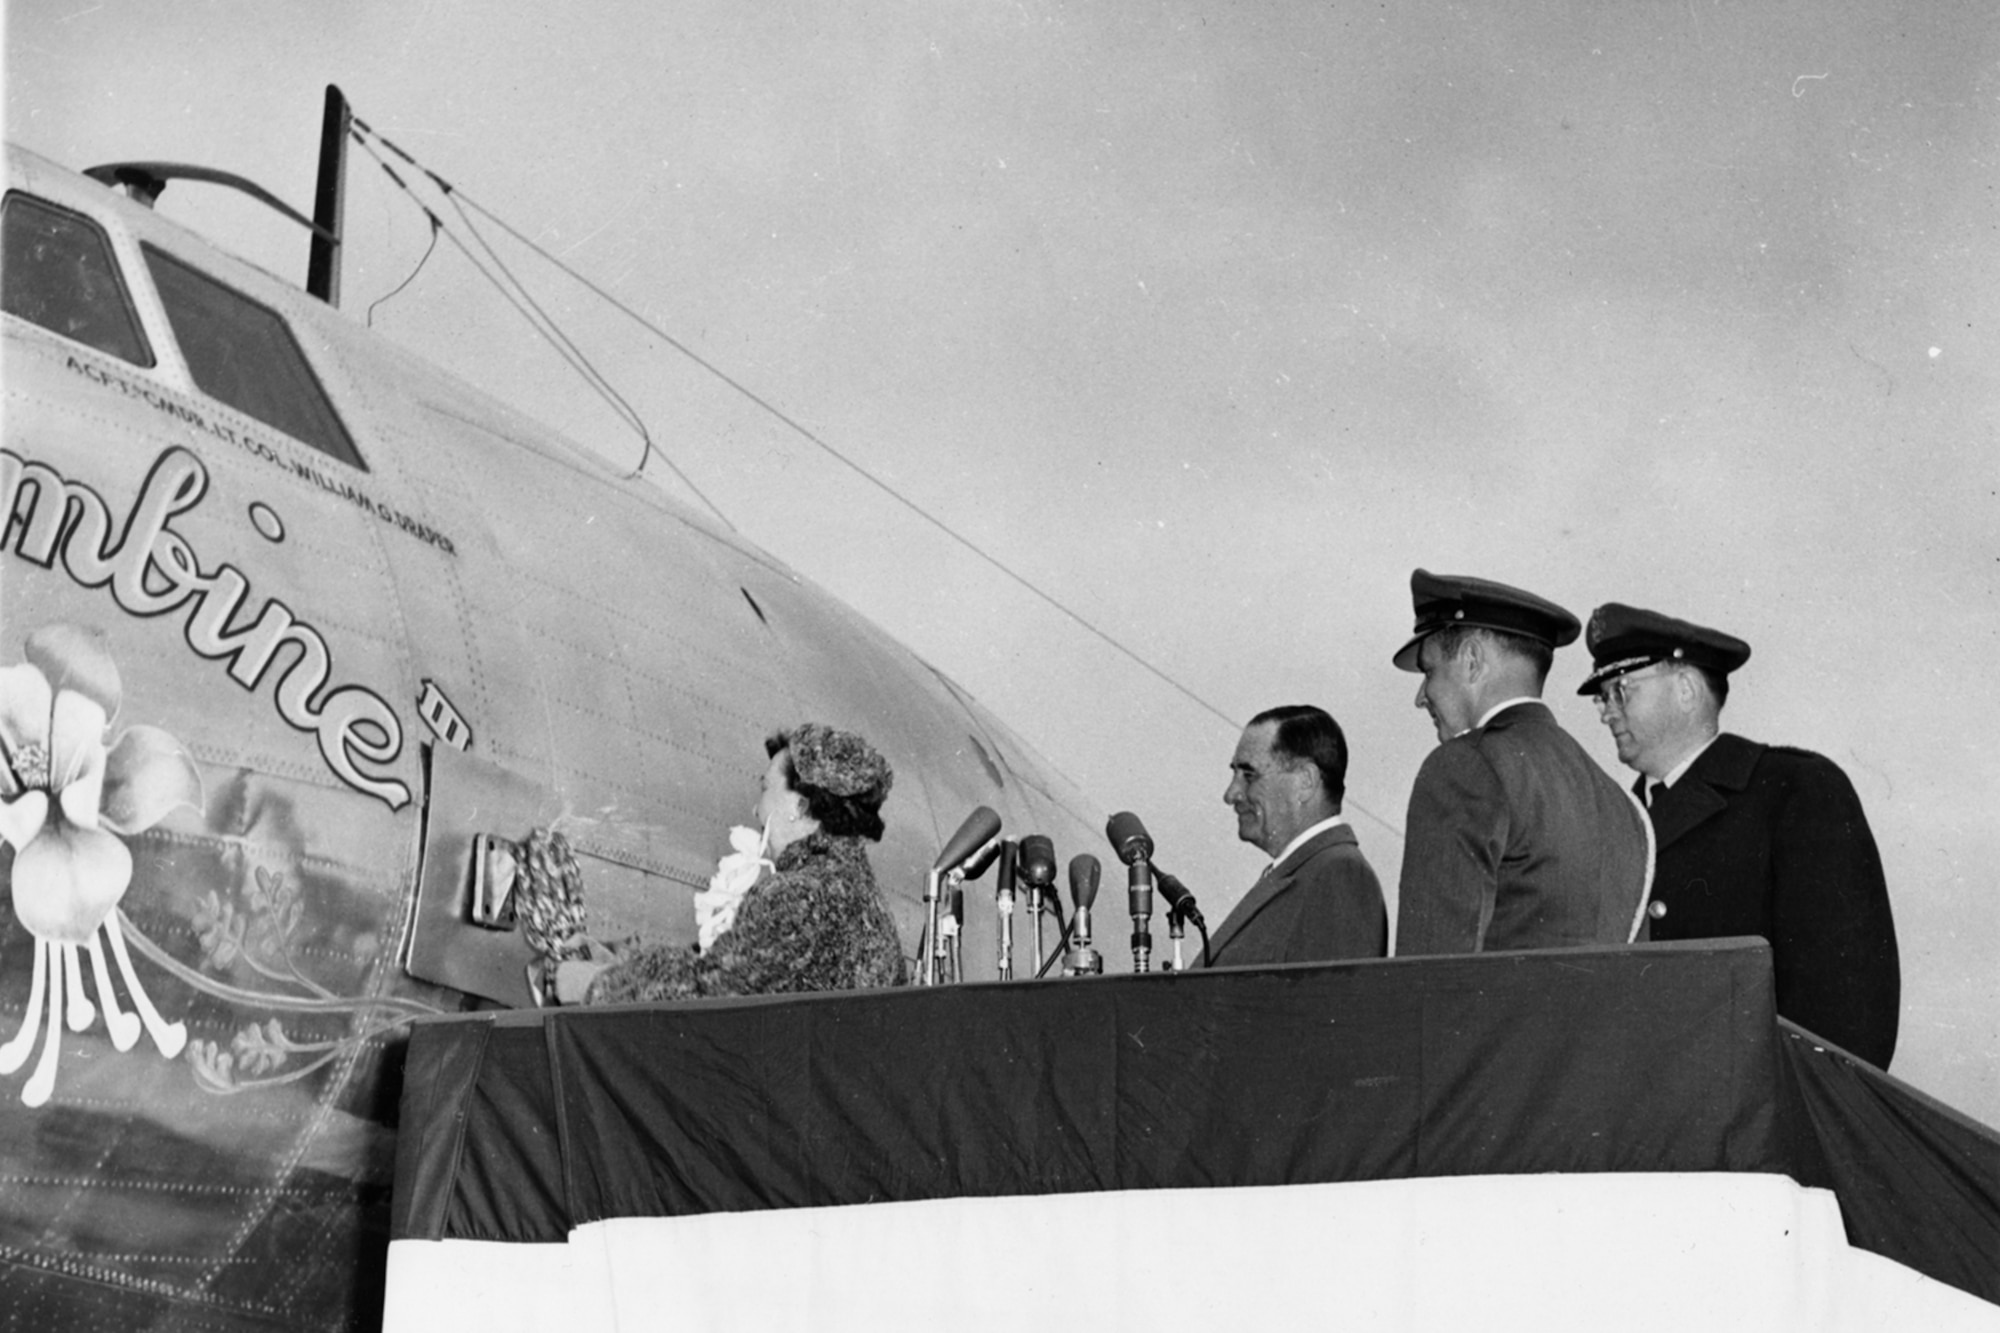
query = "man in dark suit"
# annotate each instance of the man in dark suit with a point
(1318, 900)
(1516, 839)
(1753, 839)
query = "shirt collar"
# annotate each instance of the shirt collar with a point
(1494, 711)
(1305, 836)
(1675, 773)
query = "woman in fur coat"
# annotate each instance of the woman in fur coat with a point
(814, 920)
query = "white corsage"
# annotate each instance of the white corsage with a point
(715, 907)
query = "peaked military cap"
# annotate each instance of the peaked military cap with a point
(1444, 600)
(1628, 638)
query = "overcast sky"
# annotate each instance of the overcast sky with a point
(1215, 321)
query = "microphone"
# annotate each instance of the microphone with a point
(1036, 867)
(976, 864)
(1035, 863)
(1135, 848)
(1129, 837)
(1003, 903)
(980, 828)
(1084, 872)
(1180, 902)
(1082, 960)
(1180, 910)
(953, 937)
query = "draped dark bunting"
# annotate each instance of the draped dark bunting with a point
(520, 1126)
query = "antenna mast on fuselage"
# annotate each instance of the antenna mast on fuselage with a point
(144, 181)
(329, 200)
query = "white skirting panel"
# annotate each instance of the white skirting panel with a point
(1542, 1253)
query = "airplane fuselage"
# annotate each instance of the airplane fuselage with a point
(287, 618)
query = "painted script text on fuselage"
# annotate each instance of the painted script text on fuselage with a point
(172, 405)
(151, 570)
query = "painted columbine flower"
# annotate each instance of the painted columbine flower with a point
(67, 803)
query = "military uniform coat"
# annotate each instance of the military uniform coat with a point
(1320, 904)
(1764, 840)
(1517, 839)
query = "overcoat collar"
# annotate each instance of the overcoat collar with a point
(1722, 771)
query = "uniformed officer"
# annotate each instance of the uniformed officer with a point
(1516, 838)
(1752, 839)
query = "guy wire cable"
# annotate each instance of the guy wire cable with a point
(459, 196)
(516, 293)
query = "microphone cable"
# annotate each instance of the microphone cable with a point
(1202, 926)
(1054, 901)
(1062, 947)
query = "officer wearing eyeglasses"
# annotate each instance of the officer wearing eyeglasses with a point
(1751, 839)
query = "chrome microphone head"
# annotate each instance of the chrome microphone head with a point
(1084, 873)
(980, 827)
(975, 865)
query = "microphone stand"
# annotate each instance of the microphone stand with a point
(954, 928)
(1035, 911)
(1081, 960)
(927, 953)
(1035, 866)
(1003, 905)
(945, 936)
(1139, 899)
(1177, 917)
(962, 848)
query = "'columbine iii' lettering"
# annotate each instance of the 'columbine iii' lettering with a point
(152, 570)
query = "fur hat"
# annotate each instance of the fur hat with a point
(835, 761)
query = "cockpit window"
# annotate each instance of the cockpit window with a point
(57, 270)
(245, 355)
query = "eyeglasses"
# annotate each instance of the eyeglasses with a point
(1614, 693)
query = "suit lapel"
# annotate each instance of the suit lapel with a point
(1274, 882)
(1683, 806)
(1266, 888)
